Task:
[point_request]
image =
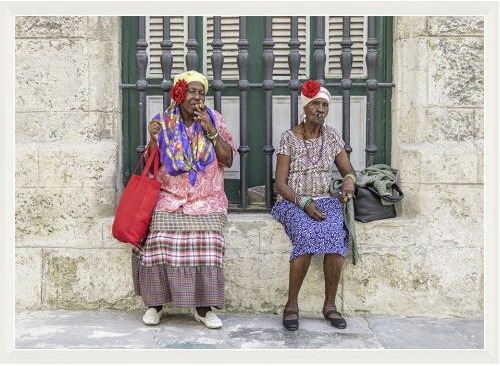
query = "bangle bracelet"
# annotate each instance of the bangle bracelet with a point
(350, 175)
(295, 200)
(308, 203)
(213, 137)
(304, 202)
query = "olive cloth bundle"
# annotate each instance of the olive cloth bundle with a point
(373, 199)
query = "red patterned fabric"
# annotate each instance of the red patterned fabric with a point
(180, 264)
(207, 195)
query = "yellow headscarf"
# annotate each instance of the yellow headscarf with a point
(190, 76)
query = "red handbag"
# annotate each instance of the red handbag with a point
(136, 205)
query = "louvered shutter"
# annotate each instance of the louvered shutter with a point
(334, 47)
(229, 34)
(177, 36)
(281, 37)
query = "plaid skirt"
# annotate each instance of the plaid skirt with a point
(181, 260)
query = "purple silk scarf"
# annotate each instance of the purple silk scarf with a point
(179, 152)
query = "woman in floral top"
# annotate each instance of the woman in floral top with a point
(181, 260)
(312, 218)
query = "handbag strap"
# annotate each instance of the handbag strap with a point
(154, 156)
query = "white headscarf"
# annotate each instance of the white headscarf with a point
(323, 94)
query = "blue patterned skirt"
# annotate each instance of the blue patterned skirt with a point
(309, 236)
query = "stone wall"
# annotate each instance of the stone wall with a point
(68, 141)
(428, 261)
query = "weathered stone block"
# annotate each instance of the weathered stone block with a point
(451, 215)
(51, 27)
(27, 165)
(456, 72)
(106, 125)
(410, 165)
(246, 291)
(82, 165)
(108, 241)
(241, 236)
(28, 278)
(410, 205)
(410, 27)
(82, 278)
(262, 286)
(451, 26)
(414, 51)
(273, 238)
(450, 125)
(52, 217)
(410, 125)
(398, 232)
(453, 162)
(104, 75)
(51, 75)
(104, 28)
(66, 127)
(439, 282)
(102, 202)
(480, 161)
(479, 123)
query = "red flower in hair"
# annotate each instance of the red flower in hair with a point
(310, 88)
(179, 91)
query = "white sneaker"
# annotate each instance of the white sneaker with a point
(152, 316)
(210, 320)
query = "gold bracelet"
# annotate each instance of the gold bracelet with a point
(350, 175)
(210, 137)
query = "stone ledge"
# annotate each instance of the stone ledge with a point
(397, 260)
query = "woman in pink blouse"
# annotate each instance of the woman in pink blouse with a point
(181, 260)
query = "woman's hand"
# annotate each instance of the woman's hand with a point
(154, 130)
(347, 190)
(314, 212)
(201, 114)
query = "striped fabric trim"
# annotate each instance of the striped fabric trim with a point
(180, 222)
(182, 249)
(181, 286)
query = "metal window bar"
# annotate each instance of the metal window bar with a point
(243, 86)
(294, 65)
(217, 61)
(142, 85)
(346, 84)
(191, 45)
(268, 86)
(166, 61)
(371, 87)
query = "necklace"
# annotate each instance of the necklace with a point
(307, 150)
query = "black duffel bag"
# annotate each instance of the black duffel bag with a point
(368, 207)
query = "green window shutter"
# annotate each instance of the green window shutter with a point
(281, 37)
(229, 34)
(154, 35)
(358, 37)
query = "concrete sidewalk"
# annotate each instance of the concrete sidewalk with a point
(113, 329)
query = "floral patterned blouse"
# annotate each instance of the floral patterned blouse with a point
(207, 195)
(311, 161)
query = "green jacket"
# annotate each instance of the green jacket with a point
(381, 177)
(348, 209)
